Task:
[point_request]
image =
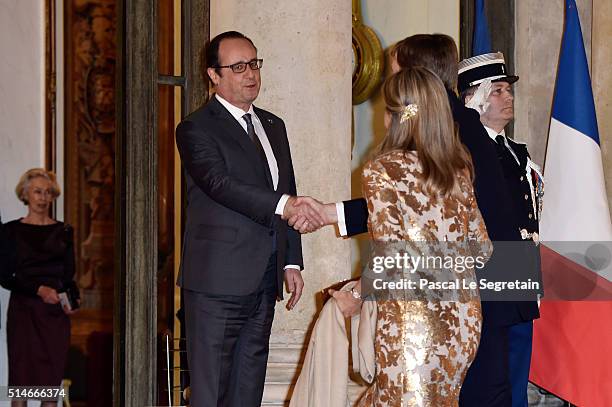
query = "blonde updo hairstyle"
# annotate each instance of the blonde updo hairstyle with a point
(430, 132)
(24, 183)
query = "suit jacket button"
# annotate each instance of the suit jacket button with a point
(530, 216)
(521, 178)
(271, 233)
(526, 197)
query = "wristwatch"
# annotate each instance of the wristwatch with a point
(356, 294)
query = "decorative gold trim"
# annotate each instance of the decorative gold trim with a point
(369, 60)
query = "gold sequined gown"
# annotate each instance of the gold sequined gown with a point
(423, 348)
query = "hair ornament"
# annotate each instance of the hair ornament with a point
(409, 112)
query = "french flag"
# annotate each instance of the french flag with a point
(572, 343)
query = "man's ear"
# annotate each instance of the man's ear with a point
(212, 74)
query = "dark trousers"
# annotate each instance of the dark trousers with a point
(487, 382)
(228, 343)
(520, 338)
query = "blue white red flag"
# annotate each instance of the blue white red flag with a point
(481, 41)
(572, 346)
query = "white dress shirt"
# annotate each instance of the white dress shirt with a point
(341, 219)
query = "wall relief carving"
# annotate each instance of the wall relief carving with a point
(90, 144)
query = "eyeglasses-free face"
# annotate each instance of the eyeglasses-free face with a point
(240, 67)
(39, 195)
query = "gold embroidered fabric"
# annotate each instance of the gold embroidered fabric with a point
(423, 347)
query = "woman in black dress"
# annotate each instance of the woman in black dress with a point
(37, 264)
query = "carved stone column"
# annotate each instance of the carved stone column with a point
(306, 80)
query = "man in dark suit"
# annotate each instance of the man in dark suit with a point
(437, 52)
(486, 86)
(487, 382)
(237, 250)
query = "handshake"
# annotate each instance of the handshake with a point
(306, 214)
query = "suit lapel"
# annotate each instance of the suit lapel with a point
(229, 126)
(521, 152)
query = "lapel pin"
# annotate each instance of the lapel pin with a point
(270, 121)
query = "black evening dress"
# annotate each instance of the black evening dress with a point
(38, 334)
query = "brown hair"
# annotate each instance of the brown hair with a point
(24, 183)
(430, 132)
(437, 52)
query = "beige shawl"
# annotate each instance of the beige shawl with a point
(324, 378)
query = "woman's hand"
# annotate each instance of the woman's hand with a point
(70, 311)
(48, 294)
(348, 304)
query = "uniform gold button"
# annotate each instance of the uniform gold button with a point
(526, 197)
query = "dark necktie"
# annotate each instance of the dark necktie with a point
(258, 146)
(502, 150)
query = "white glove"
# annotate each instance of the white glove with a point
(479, 102)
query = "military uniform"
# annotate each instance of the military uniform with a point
(499, 374)
(525, 181)
(526, 187)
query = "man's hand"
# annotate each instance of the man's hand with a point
(307, 211)
(48, 294)
(295, 284)
(302, 224)
(478, 101)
